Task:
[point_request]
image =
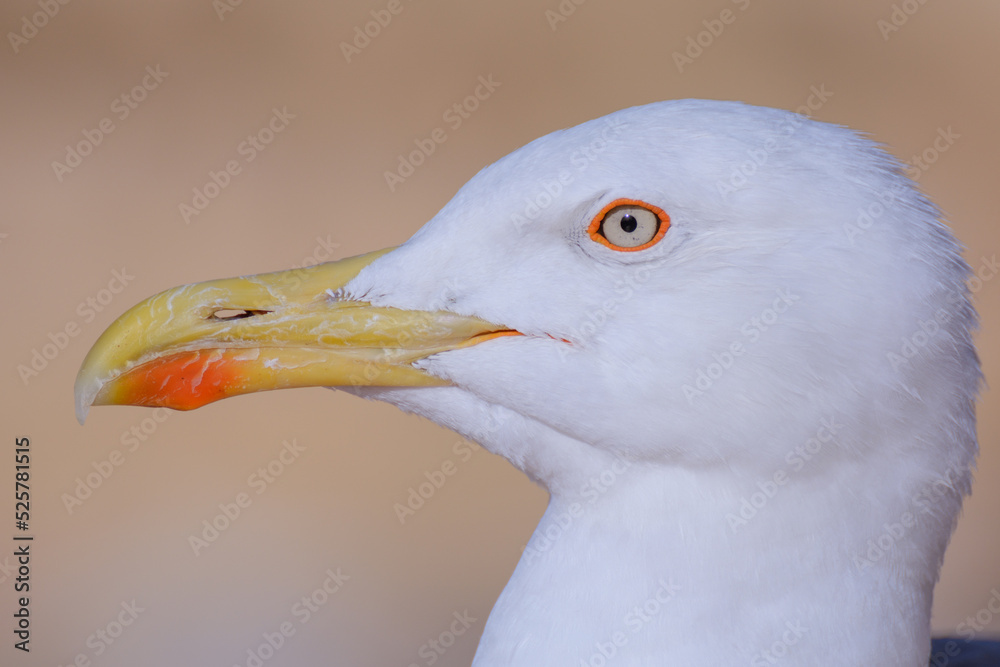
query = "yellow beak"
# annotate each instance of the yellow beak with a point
(196, 344)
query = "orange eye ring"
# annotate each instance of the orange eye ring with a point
(596, 228)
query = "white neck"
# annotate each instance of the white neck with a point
(659, 566)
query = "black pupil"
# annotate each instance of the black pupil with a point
(629, 223)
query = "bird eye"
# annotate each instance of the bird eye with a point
(629, 225)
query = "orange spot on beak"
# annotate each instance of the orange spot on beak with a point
(185, 380)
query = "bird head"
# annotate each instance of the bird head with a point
(687, 283)
(714, 298)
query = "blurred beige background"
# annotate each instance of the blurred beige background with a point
(215, 73)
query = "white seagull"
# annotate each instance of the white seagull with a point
(731, 342)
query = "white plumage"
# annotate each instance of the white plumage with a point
(756, 428)
(780, 393)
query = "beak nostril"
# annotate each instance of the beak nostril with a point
(236, 313)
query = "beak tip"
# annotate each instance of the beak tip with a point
(82, 409)
(84, 393)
